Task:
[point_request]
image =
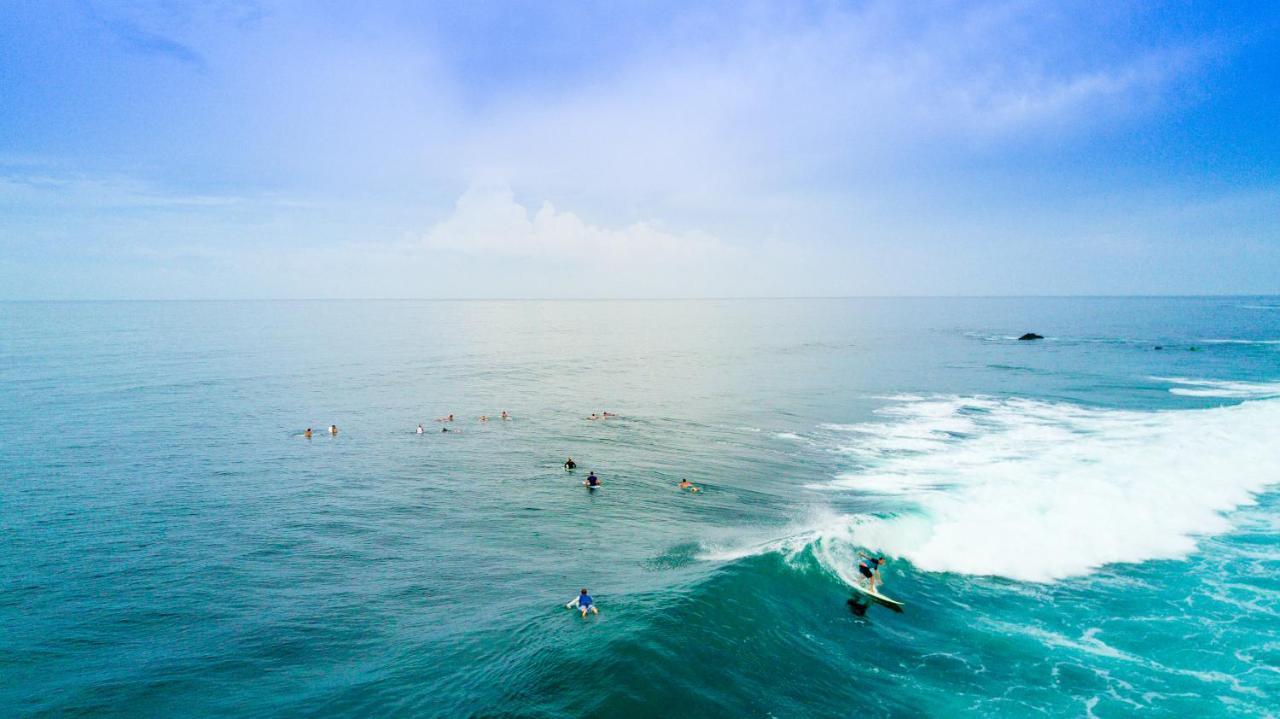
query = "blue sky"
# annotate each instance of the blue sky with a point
(159, 149)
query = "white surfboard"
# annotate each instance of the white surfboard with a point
(878, 598)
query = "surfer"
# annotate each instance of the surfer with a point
(584, 603)
(420, 429)
(447, 418)
(591, 481)
(686, 484)
(307, 434)
(333, 429)
(594, 416)
(569, 463)
(484, 418)
(869, 567)
(505, 416)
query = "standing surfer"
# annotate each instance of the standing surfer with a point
(869, 567)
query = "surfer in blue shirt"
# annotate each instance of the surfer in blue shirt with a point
(584, 603)
(869, 567)
(591, 481)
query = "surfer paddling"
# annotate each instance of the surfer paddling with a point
(584, 603)
(592, 481)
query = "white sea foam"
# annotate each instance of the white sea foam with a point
(1039, 491)
(1240, 342)
(1214, 388)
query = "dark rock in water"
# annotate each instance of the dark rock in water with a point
(1031, 336)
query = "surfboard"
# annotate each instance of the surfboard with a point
(878, 598)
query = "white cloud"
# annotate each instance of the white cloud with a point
(769, 105)
(487, 220)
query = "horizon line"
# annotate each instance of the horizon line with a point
(633, 299)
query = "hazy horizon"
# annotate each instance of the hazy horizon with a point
(749, 298)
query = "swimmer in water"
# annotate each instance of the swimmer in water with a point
(420, 429)
(593, 416)
(569, 463)
(333, 429)
(448, 418)
(484, 418)
(505, 416)
(686, 484)
(584, 603)
(608, 414)
(307, 434)
(591, 481)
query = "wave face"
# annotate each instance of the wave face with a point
(1040, 491)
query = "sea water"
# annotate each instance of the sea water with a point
(1080, 525)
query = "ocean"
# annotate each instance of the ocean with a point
(1083, 525)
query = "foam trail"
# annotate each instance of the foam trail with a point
(1214, 388)
(1241, 342)
(1039, 491)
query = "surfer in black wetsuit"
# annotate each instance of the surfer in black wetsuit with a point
(869, 567)
(569, 463)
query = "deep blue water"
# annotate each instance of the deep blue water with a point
(1079, 525)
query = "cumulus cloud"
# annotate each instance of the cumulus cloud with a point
(487, 220)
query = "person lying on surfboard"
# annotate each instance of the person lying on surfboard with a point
(869, 567)
(584, 603)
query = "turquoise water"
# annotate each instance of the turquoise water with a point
(1081, 525)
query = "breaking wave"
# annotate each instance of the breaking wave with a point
(1039, 491)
